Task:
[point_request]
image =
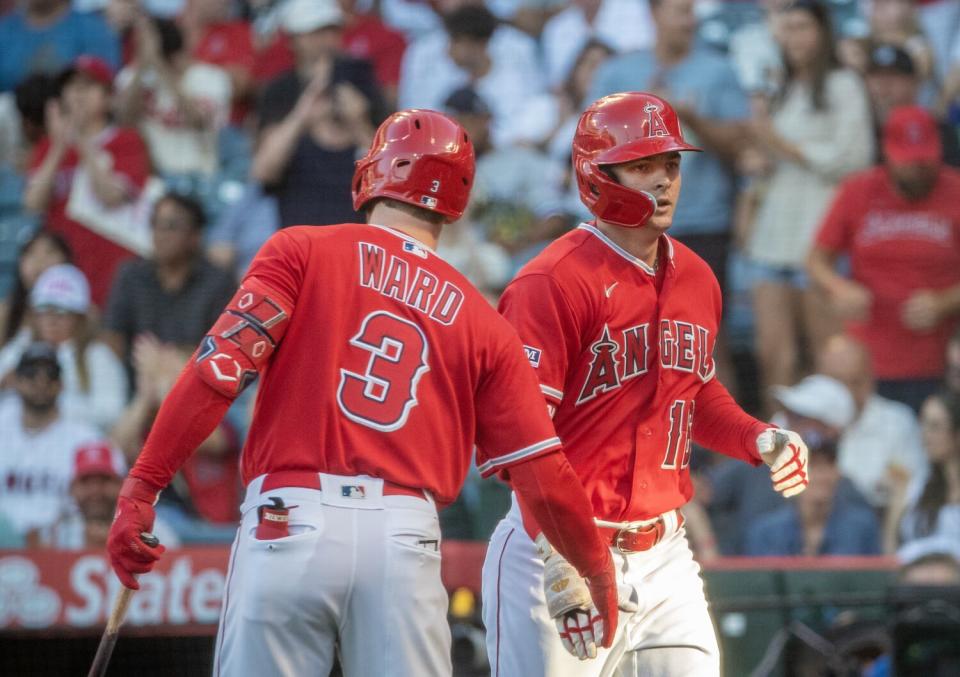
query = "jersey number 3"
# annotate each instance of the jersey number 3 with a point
(382, 396)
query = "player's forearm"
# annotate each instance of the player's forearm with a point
(721, 425)
(552, 492)
(189, 414)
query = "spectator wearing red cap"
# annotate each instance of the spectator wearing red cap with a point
(98, 472)
(86, 171)
(899, 223)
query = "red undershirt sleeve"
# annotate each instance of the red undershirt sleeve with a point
(722, 426)
(189, 414)
(551, 492)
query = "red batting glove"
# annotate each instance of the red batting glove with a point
(129, 555)
(604, 593)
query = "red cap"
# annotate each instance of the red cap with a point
(912, 136)
(97, 458)
(94, 68)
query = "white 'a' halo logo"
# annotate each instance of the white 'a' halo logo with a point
(655, 124)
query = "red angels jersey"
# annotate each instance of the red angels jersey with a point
(621, 361)
(392, 366)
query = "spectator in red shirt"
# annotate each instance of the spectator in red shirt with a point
(113, 160)
(212, 37)
(365, 36)
(899, 223)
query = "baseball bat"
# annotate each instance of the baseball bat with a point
(119, 612)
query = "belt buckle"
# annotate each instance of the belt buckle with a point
(618, 541)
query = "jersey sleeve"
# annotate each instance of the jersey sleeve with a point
(548, 328)
(721, 425)
(512, 421)
(281, 266)
(131, 159)
(834, 232)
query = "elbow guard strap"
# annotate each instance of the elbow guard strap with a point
(238, 346)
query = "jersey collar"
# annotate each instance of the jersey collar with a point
(590, 228)
(404, 236)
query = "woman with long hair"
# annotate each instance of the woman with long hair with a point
(43, 250)
(813, 131)
(94, 380)
(930, 504)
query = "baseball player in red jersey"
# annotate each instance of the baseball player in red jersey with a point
(619, 321)
(379, 367)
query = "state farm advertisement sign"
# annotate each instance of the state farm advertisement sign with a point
(55, 589)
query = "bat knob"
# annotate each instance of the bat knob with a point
(149, 539)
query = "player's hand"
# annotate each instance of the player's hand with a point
(786, 454)
(922, 311)
(851, 301)
(129, 555)
(585, 611)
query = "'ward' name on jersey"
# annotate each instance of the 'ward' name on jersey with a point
(684, 346)
(418, 288)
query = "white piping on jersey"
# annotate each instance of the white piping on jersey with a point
(623, 252)
(404, 236)
(552, 392)
(517, 455)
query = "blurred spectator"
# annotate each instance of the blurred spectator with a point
(816, 522)
(930, 504)
(87, 176)
(176, 295)
(214, 38)
(900, 226)
(45, 36)
(569, 102)
(208, 486)
(314, 120)
(702, 87)
(951, 378)
(940, 20)
(32, 96)
(365, 36)
(755, 52)
(238, 233)
(882, 446)
(894, 22)
(120, 16)
(98, 472)
(624, 25)
(36, 457)
(930, 561)
(816, 131)
(892, 82)
(499, 62)
(94, 383)
(516, 198)
(43, 250)
(179, 104)
(818, 407)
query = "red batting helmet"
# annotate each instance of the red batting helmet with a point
(615, 129)
(420, 157)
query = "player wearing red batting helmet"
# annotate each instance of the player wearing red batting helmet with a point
(619, 321)
(381, 369)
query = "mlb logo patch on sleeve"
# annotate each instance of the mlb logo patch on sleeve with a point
(533, 354)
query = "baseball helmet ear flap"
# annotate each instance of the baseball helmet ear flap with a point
(610, 200)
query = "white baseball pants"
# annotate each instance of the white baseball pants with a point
(359, 574)
(671, 635)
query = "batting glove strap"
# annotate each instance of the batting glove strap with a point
(786, 454)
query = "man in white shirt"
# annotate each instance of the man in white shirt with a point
(883, 442)
(37, 452)
(500, 62)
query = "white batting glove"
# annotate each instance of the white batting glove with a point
(569, 603)
(786, 454)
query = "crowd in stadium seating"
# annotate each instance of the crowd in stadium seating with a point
(147, 149)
